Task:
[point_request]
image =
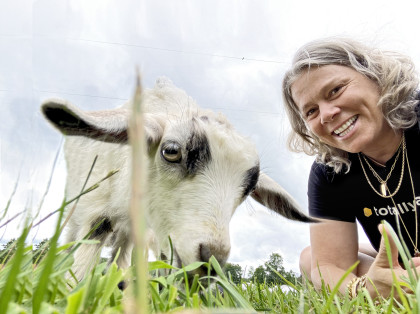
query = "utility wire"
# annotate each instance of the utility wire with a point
(158, 49)
(78, 94)
(172, 50)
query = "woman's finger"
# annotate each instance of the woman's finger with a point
(416, 261)
(381, 259)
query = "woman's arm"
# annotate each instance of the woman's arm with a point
(334, 246)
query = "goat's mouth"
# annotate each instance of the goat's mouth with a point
(174, 257)
(205, 276)
(200, 271)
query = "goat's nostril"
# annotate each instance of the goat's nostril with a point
(163, 257)
(205, 253)
(219, 252)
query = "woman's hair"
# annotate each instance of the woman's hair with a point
(394, 73)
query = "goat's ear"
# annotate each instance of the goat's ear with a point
(270, 194)
(106, 125)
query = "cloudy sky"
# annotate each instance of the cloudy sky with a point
(229, 55)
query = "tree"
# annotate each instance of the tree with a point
(268, 272)
(273, 265)
(7, 251)
(235, 272)
(251, 272)
(40, 250)
(259, 274)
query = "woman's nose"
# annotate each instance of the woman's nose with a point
(328, 113)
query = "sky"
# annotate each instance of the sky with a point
(230, 56)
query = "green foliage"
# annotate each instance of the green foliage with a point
(40, 250)
(259, 275)
(15, 275)
(20, 278)
(235, 272)
(269, 272)
(7, 251)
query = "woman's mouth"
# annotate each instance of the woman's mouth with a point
(346, 127)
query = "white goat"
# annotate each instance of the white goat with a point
(199, 171)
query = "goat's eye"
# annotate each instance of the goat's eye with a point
(171, 152)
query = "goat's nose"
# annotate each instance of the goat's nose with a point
(220, 252)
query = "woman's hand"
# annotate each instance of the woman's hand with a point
(380, 272)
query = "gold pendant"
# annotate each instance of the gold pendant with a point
(416, 253)
(383, 188)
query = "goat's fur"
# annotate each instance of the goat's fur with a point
(191, 199)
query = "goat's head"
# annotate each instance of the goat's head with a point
(199, 170)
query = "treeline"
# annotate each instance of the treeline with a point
(267, 273)
(7, 250)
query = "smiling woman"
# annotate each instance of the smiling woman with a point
(336, 102)
(356, 109)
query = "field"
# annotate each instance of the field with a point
(37, 283)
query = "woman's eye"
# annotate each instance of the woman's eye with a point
(171, 152)
(334, 91)
(310, 112)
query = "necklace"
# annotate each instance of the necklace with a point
(404, 157)
(416, 251)
(383, 183)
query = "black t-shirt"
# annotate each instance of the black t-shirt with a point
(348, 196)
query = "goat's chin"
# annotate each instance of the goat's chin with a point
(175, 260)
(171, 258)
(206, 280)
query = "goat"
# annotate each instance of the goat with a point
(199, 171)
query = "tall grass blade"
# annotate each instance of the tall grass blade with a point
(6, 295)
(388, 251)
(282, 277)
(74, 301)
(40, 290)
(238, 298)
(10, 198)
(81, 192)
(112, 278)
(403, 252)
(327, 306)
(88, 190)
(138, 203)
(50, 179)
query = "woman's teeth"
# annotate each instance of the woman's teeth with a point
(346, 127)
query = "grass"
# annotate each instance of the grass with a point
(41, 286)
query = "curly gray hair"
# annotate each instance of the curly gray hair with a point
(394, 73)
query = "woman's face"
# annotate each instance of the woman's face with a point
(339, 105)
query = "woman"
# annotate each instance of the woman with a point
(354, 108)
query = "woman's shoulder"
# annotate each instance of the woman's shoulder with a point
(319, 169)
(323, 172)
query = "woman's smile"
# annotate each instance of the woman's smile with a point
(346, 127)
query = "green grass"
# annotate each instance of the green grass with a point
(40, 283)
(41, 286)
